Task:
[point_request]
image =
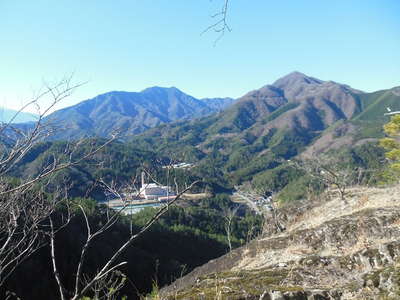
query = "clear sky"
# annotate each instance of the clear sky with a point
(133, 44)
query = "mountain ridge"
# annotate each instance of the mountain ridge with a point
(299, 114)
(132, 112)
(6, 115)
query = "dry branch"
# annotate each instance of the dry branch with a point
(221, 25)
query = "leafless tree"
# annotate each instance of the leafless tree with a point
(20, 217)
(329, 171)
(109, 287)
(273, 220)
(24, 203)
(26, 210)
(273, 216)
(229, 215)
(108, 273)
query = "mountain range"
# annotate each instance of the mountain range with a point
(6, 115)
(251, 139)
(297, 115)
(298, 102)
(235, 141)
(132, 112)
(295, 102)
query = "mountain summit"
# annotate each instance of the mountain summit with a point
(297, 114)
(132, 112)
(295, 78)
(297, 103)
(293, 101)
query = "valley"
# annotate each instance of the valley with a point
(242, 181)
(200, 150)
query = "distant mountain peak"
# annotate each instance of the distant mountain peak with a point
(296, 74)
(161, 89)
(296, 78)
(133, 112)
(6, 115)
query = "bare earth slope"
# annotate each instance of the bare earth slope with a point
(333, 250)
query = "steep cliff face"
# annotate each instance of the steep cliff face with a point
(330, 250)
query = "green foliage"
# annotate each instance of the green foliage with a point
(300, 188)
(281, 111)
(117, 162)
(243, 118)
(206, 219)
(288, 143)
(182, 240)
(87, 204)
(393, 127)
(218, 202)
(373, 105)
(234, 119)
(155, 292)
(366, 163)
(239, 145)
(276, 179)
(239, 159)
(368, 129)
(392, 145)
(367, 156)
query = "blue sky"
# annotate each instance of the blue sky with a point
(133, 44)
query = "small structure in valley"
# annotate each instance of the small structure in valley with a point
(390, 112)
(149, 195)
(181, 165)
(153, 191)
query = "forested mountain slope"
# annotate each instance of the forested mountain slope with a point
(131, 112)
(250, 140)
(297, 114)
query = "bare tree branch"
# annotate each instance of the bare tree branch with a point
(54, 262)
(25, 206)
(108, 266)
(221, 25)
(229, 214)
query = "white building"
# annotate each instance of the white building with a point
(179, 166)
(153, 191)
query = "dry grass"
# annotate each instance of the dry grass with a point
(358, 198)
(310, 253)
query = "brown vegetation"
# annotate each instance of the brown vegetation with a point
(330, 250)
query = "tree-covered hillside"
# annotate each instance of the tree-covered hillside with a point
(182, 240)
(297, 116)
(131, 113)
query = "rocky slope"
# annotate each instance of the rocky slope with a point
(330, 250)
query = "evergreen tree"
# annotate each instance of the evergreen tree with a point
(391, 143)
